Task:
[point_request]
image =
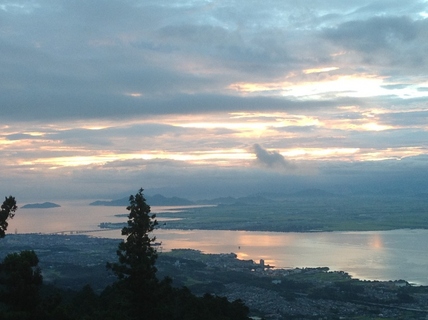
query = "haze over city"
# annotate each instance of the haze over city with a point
(203, 99)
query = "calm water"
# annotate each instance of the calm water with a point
(386, 255)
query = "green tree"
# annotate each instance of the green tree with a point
(134, 294)
(137, 257)
(139, 294)
(8, 209)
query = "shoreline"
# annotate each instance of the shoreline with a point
(35, 241)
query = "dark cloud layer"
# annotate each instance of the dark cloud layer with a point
(392, 41)
(80, 59)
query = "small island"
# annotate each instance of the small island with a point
(44, 205)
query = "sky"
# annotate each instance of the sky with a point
(202, 99)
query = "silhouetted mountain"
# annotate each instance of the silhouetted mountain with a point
(123, 202)
(159, 200)
(156, 200)
(44, 205)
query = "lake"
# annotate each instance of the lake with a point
(374, 255)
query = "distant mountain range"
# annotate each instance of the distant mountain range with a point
(160, 200)
(44, 205)
(156, 200)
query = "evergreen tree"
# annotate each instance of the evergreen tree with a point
(135, 292)
(137, 257)
(138, 294)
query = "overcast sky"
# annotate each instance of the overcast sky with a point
(212, 98)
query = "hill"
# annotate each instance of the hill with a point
(44, 205)
(156, 200)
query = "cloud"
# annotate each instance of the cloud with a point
(129, 87)
(396, 86)
(388, 41)
(20, 136)
(375, 33)
(271, 159)
(83, 60)
(417, 118)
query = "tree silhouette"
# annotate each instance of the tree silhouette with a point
(20, 279)
(137, 257)
(7, 212)
(138, 294)
(137, 286)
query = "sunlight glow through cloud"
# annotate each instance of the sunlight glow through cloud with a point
(247, 126)
(134, 94)
(351, 86)
(359, 86)
(231, 157)
(320, 70)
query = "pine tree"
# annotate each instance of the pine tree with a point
(137, 257)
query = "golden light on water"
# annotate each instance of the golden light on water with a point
(247, 239)
(242, 255)
(376, 242)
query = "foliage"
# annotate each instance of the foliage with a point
(7, 212)
(136, 255)
(137, 294)
(20, 279)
